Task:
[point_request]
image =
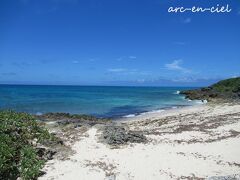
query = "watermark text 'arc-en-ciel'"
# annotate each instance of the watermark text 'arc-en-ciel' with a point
(194, 9)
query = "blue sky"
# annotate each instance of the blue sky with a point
(120, 42)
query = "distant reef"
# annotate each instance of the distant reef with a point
(225, 90)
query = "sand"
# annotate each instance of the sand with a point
(197, 142)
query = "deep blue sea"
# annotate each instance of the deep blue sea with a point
(101, 101)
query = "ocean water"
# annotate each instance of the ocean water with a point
(101, 101)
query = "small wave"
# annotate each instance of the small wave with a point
(201, 101)
(148, 112)
(153, 111)
(177, 92)
(39, 113)
(205, 101)
(129, 116)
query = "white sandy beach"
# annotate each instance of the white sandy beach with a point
(189, 143)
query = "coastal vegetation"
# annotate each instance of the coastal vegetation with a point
(226, 90)
(228, 85)
(20, 135)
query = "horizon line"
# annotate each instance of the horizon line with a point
(6, 84)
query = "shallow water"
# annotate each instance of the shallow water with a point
(101, 101)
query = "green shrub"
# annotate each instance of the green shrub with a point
(29, 163)
(228, 85)
(19, 132)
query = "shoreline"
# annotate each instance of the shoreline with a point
(137, 115)
(102, 102)
(205, 139)
(159, 112)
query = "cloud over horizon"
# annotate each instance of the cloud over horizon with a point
(176, 65)
(117, 70)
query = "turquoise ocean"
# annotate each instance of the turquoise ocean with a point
(101, 101)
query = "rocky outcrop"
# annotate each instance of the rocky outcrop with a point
(225, 90)
(69, 117)
(77, 120)
(120, 135)
(45, 153)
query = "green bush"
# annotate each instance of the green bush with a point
(228, 85)
(19, 133)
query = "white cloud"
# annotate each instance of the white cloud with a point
(126, 58)
(176, 66)
(139, 74)
(235, 75)
(124, 71)
(117, 70)
(185, 79)
(187, 20)
(132, 57)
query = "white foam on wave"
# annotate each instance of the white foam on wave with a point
(129, 116)
(201, 101)
(205, 101)
(153, 111)
(177, 92)
(148, 112)
(39, 113)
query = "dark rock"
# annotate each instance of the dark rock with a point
(206, 89)
(77, 120)
(44, 153)
(53, 142)
(49, 154)
(78, 125)
(214, 95)
(119, 135)
(226, 90)
(41, 151)
(69, 118)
